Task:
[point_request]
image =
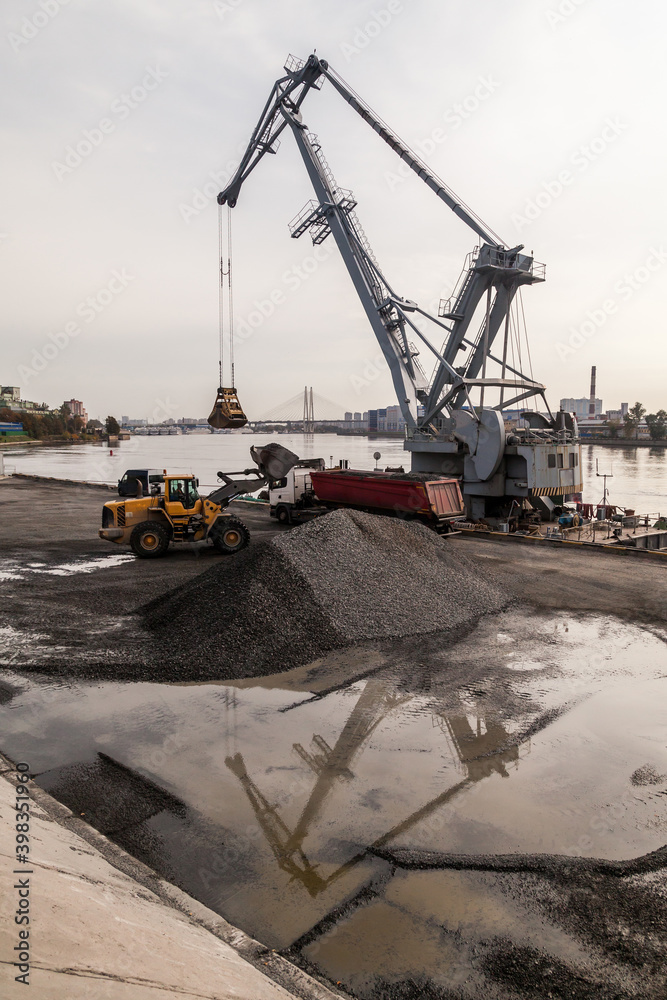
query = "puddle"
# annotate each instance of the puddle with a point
(270, 794)
(14, 640)
(12, 569)
(9, 574)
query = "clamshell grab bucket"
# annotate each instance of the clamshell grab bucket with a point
(227, 410)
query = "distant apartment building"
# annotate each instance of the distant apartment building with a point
(618, 414)
(76, 409)
(10, 398)
(388, 420)
(354, 421)
(376, 420)
(581, 407)
(9, 394)
(394, 421)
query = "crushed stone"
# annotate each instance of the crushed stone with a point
(647, 775)
(342, 578)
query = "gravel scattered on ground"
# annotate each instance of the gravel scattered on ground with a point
(647, 775)
(343, 578)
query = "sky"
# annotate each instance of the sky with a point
(122, 121)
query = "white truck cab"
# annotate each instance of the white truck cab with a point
(293, 495)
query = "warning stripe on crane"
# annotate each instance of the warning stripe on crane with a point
(555, 491)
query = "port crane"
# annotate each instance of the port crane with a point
(454, 418)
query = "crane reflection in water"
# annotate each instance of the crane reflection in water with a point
(481, 750)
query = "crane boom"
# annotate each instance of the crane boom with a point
(410, 157)
(334, 213)
(308, 76)
(291, 88)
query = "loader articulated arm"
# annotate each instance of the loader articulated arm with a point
(272, 461)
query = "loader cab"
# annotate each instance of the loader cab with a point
(181, 495)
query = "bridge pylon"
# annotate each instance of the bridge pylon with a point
(308, 411)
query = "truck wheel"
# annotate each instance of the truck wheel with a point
(230, 535)
(149, 540)
(283, 514)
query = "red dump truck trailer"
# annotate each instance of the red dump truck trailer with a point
(311, 488)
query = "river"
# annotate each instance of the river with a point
(639, 474)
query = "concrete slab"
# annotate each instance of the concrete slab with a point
(97, 934)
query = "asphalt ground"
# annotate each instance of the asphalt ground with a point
(69, 613)
(549, 927)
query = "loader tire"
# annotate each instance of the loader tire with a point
(229, 535)
(149, 540)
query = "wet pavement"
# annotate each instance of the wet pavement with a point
(69, 597)
(301, 806)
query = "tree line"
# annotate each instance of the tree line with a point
(60, 423)
(656, 423)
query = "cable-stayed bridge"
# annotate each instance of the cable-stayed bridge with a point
(306, 410)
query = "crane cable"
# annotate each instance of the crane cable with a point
(530, 360)
(221, 295)
(231, 294)
(221, 302)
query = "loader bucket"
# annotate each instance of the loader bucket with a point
(227, 410)
(273, 460)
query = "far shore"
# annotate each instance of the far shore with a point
(624, 442)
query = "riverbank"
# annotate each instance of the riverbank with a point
(19, 442)
(48, 442)
(85, 898)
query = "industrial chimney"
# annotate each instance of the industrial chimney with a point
(591, 402)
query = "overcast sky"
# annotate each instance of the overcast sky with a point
(121, 122)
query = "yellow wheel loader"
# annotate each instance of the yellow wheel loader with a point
(175, 512)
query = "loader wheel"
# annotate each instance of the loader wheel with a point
(149, 540)
(230, 535)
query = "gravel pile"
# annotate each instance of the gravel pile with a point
(381, 577)
(342, 578)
